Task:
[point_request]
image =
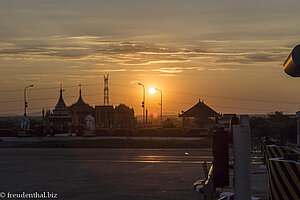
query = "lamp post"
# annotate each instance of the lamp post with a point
(25, 102)
(161, 107)
(152, 91)
(143, 103)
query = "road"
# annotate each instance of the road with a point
(103, 173)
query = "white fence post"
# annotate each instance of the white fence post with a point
(242, 160)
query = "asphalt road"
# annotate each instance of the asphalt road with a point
(103, 173)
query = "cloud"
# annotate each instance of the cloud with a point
(132, 48)
(168, 70)
(89, 47)
(222, 69)
(139, 70)
(167, 75)
(104, 70)
(251, 58)
(103, 51)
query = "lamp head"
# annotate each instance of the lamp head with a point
(152, 90)
(292, 64)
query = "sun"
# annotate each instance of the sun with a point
(152, 90)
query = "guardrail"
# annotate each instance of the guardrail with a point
(284, 174)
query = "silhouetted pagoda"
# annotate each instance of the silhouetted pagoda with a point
(59, 118)
(203, 114)
(79, 110)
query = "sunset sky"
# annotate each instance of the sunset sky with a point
(228, 53)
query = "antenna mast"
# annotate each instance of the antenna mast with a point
(106, 95)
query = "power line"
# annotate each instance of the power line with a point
(48, 88)
(186, 103)
(214, 105)
(239, 98)
(49, 98)
(181, 93)
(166, 109)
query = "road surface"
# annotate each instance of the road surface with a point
(103, 173)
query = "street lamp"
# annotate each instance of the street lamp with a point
(143, 103)
(152, 91)
(25, 102)
(292, 67)
(292, 64)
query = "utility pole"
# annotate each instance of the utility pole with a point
(25, 123)
(25, 101)
(146, 116)
(106, 95)
(143, 103)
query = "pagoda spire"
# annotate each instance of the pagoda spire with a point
(80, 97)
(61, 91)
(80, 90)
(61, 105)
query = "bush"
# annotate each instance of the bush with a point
(168, 123)
(148, 132)
(7, 133)
(173, 132)
(198, 132)
(123, 132)
(277, 125)
(102, 132)
(40, 131)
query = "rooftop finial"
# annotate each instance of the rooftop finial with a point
(61, 90)
(80, 90)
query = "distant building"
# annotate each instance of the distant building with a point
(124, 116)
(119, 117)
(204, 115)
(79, 111)
(105, 116)
(63, 119)
(225, 119)
(59, 118)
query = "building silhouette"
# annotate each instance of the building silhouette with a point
(120, 116)
(124, 117)
(204, 115)
(105, 116)
(78, 112)
(63, 119)
(59, 118)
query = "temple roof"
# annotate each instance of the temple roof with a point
(80, 105)
(200, 110)
(60, 108)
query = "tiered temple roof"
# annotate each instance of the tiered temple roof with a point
(61, 107)
(200, 111)
(80, 105)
